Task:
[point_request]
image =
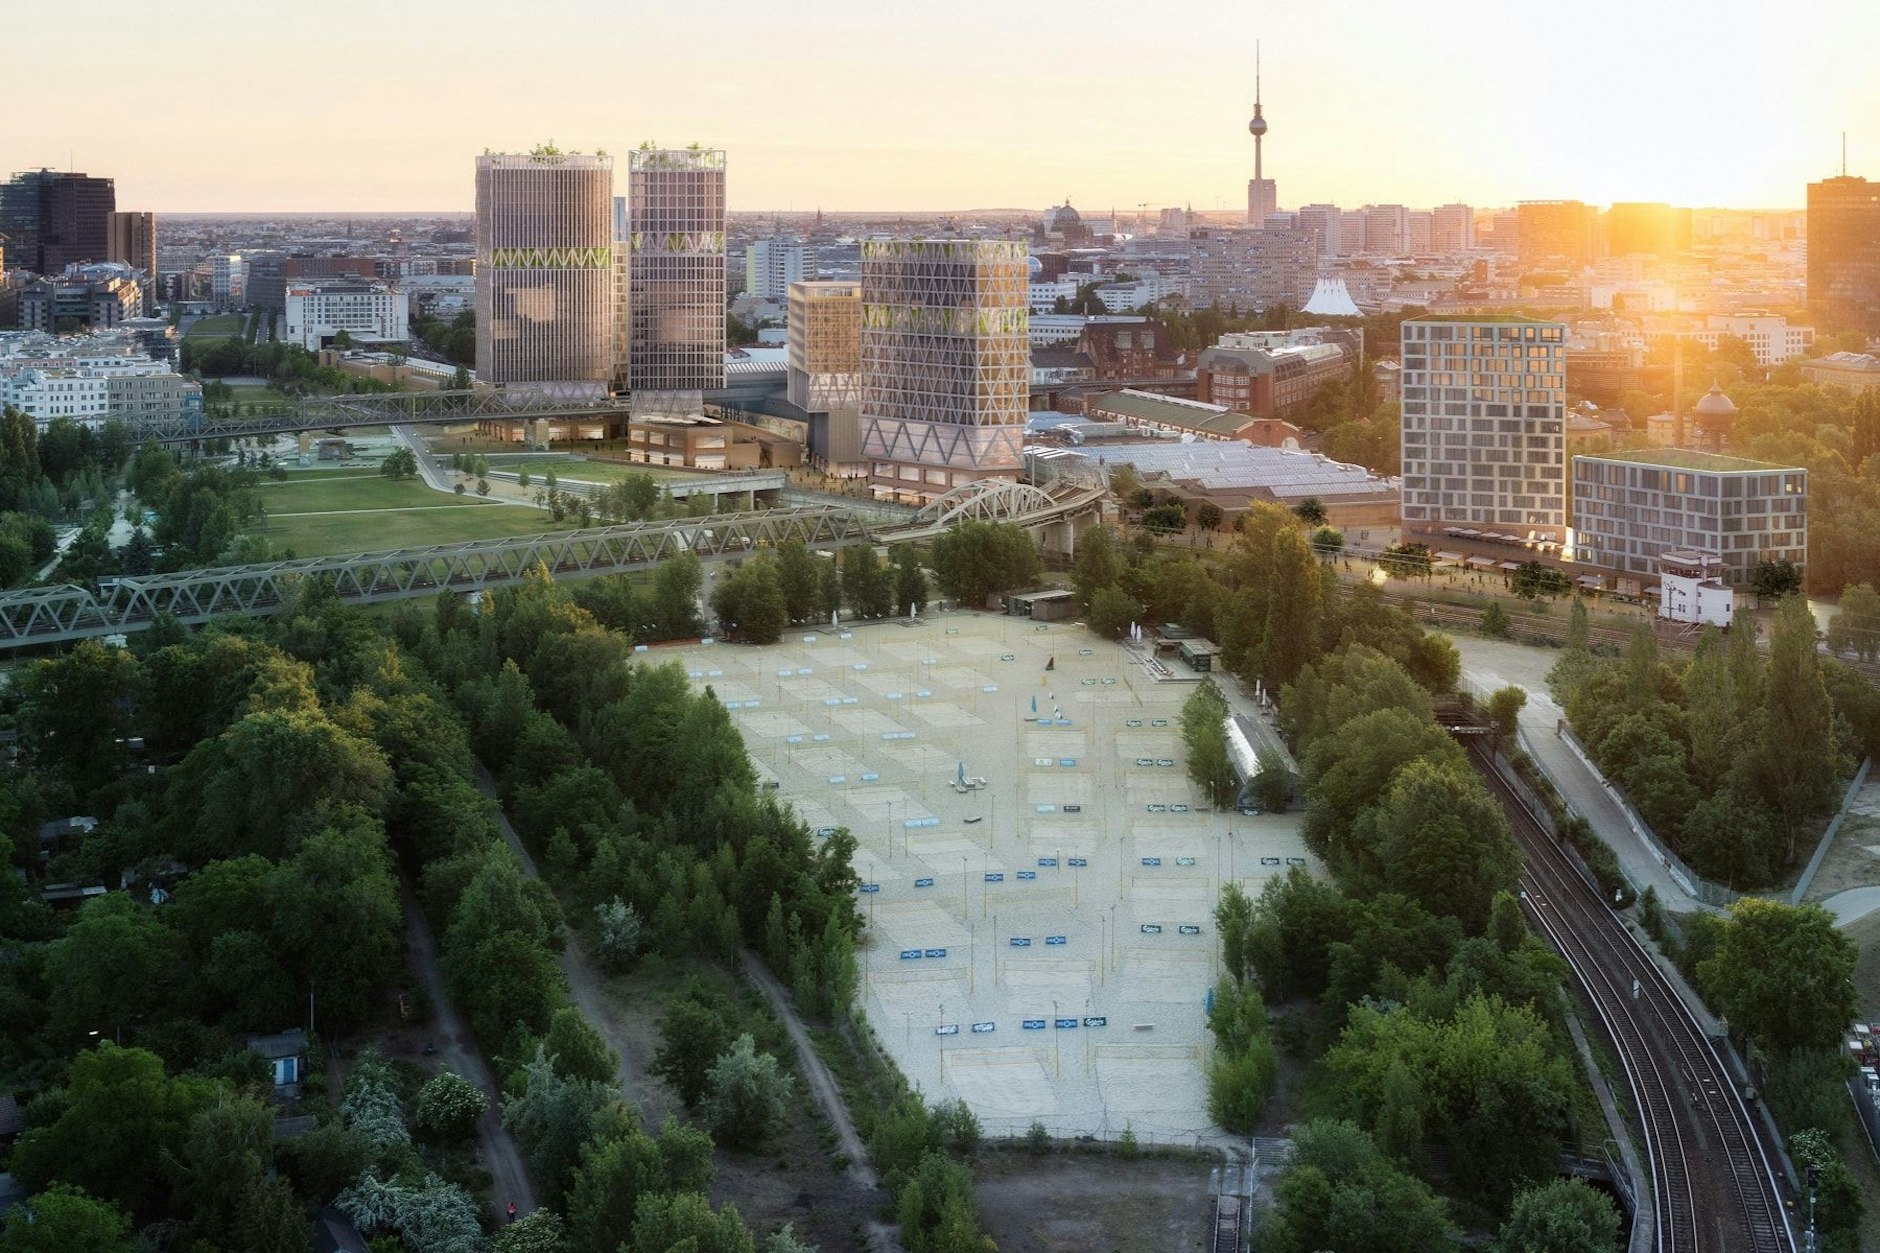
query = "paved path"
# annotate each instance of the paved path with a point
(584, 984)
(1852, 905)
(457, 1050)
(1491, 664)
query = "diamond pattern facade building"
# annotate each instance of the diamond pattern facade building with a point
(544, 300)
(675, 298)
(945, 363)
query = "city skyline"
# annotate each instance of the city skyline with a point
(840, 109)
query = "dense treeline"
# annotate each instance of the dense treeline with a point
(62, 471)
(762, 596)
(1270, 602)
(286, 367)
(274, 783)
(1733, 758)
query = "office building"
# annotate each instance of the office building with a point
(1274, 374)
(1631, 508)
(1250, 271)
(228, 280)
(55, 219)
(1552, 234)
(945, 363)
(676, 279)
(772, 265)
(1321, 221)
(1844, 252)
(1452, 228)
(1422, 232)
(1262, 192)
(1386, 230)
(544, 276)
(825, 371)
(132, 241)
(96, 296)
(1484, 425)
(1648, 229)
(370, 314)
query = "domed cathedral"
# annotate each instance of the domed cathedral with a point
(1066, 223)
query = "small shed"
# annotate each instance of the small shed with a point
(1058, 604)
(1199, 654)
(285, 1052)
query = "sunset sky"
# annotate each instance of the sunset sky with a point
(199, 105)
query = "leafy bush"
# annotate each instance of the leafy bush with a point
(449, 1106)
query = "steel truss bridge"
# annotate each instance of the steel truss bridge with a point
(57, 615)
(335, 413)
(51, 615)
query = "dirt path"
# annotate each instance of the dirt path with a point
(882, 1237)
(584, 984)
(457, 1051)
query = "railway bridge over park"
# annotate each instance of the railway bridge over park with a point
(62, 614)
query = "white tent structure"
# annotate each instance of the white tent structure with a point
(1331, 298)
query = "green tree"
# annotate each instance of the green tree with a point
(1773, 580)
(1855, 627)
(1340, 1195)
(1099, 564)
(1838, 1205)
(1561, 1216)
(337, 918)
(1783, 974)
(553, 1116)
(796, 570)
(577, 1049)
(667, 1222)
(540, 1232)
(63, 1219)
(974, 561)
(120, 1115)
(449, 1106)
(910, 582)
(1310, 511)
(1504, 711)
(1798, 762)
(692, 1036)
(747, 1096)
(675, 597)
(114, 966)
(1495, 624)
(1495, 1089)
(1112, 610)
(1445, 840)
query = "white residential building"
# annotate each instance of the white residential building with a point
(1067, 328)
(771, 265)
(1769, 335)
(1452, 228)
(92, 389)
(369, 313)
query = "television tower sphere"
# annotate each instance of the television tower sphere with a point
(1257, 127)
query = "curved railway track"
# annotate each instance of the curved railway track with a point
(1713, 1186)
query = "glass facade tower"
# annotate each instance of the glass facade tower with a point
(675, 297)
(544, 280)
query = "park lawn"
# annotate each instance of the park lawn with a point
(586, 471)
(258, 394)
(320, 513)
(324, 535)
(222, 325)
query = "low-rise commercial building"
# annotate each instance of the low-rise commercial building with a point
(1856, 371)
(369, 313)
(97, 297)
(1630, 508)
(1266, 379)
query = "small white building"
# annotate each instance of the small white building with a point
(1688, 591)
(370, 313)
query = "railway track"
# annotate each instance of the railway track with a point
(1713, 1186)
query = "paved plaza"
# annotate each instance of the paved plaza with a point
(1040, 938)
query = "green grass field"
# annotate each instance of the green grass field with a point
(586, 471)
(319, 513)
(222, 325)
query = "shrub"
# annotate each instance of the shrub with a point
(449, 1106)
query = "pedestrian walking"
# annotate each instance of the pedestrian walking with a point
(512, 1211)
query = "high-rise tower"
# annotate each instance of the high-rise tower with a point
(1262, 195)
(544, 298)
(675, 219)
